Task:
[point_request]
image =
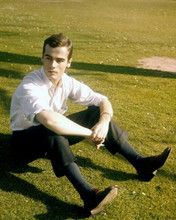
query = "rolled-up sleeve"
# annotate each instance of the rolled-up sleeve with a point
(32, 102)
(26, 103)
(82, 94)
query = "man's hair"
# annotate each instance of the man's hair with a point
(59, 40)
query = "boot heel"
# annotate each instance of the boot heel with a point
(147, 176)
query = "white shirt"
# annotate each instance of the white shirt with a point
(36, 93)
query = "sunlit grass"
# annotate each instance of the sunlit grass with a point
(109, 37)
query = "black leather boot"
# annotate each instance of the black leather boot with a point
(148, 166)
(94, 204)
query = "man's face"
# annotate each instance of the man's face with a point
(55, 61)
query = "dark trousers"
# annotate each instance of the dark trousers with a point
(38, 141)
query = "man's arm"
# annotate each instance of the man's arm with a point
(106, 111)
(100, 130)
(60, 124)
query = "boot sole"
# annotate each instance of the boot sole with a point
(108, 198)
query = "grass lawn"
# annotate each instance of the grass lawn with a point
(109, 37)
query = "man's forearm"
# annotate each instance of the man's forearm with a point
(106, 111)
(61, 125)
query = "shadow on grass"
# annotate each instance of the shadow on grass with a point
(126, 70)
(32, 60)
(106, 172)
(56, 209)
(120, 175)
(18, 58)
(168, 175)
(5, 100)
(11, 74)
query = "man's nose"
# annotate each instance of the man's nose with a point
(53, 63)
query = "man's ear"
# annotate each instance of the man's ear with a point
(69, 63)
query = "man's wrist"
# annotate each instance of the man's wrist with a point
(88, 133)
(106, 113)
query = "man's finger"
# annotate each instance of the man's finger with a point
(99, 145)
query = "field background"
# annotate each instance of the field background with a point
(109, 37)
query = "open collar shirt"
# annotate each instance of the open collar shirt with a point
(37, 93)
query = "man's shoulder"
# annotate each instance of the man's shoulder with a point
(67, 78)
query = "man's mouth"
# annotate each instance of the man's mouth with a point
(51, 71)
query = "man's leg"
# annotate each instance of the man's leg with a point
(36, 141)
(94, 199)
(64, 163)
(27, 144)
(116, 142)
(146, 167)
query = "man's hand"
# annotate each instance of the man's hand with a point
(99, 132)
(96, 144)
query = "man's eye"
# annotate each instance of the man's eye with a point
(59, 61)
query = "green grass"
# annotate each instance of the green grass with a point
(117, 33)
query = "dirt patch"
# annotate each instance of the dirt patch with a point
(158, 63)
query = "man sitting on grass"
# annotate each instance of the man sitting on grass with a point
(41, 128)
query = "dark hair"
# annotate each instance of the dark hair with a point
(59, 40)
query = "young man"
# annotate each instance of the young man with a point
(40, 127)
